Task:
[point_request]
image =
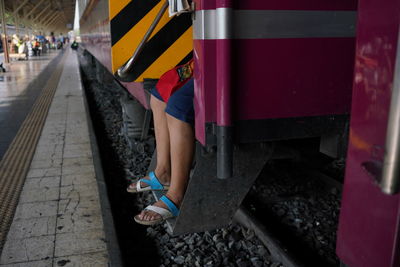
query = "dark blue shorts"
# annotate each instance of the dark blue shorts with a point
(180, 103)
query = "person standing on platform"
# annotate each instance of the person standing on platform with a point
(60, 44)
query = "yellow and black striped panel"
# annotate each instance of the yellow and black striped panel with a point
(169, 45)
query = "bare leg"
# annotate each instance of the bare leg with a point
(163, 169)
(182, 149)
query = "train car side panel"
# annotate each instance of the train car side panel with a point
(369, 219)
(296, 78)
(291, 59)
(286, 5)
(96, 39)
(168, 45)
(204, 102)
(111, 31)
(95, 31)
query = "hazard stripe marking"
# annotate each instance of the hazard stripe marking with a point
(123, 49)
(170, 58)
(186, 59)
(166, 37)
(117, 6)
(129, 16)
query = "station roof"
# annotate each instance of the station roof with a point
(42, 16)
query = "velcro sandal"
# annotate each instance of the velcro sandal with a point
(171, 212)
(153, 185)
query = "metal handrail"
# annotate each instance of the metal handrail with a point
(123, 72)
(390, 179)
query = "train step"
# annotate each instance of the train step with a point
(211, 203)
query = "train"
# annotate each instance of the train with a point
(267, 71)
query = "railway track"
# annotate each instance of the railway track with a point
(280, 251)
(300, 206)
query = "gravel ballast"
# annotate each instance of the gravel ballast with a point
(153, 246)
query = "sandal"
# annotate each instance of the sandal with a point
(171, 212)
(153, 184)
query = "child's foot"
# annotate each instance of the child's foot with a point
(163, 209)
(150, 182)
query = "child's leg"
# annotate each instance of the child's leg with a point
(179, 118)
(182, 151)
(163, 169)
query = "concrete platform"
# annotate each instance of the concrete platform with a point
(59, 219)
(19, 88)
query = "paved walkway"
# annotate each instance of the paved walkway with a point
(16, 96)
(58, 221)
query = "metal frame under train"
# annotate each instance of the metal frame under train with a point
(267, 71)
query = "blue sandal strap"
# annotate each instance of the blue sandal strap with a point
(154, 183)
(171, 206)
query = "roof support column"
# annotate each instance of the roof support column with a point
(16, 20)
(3, 25)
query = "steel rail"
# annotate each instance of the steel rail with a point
(270, 240)
(278, 251)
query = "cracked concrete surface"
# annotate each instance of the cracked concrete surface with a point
(58, 221)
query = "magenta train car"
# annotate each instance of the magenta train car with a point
(95, 31)
(96, 38)
(369, 221)
(268, 70)
(276, 70)
(264, 71)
